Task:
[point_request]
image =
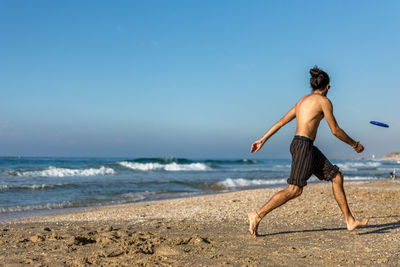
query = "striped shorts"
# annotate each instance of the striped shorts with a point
(307, 159)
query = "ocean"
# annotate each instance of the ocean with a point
(34, 186)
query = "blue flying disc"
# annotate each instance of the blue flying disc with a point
(379, 124)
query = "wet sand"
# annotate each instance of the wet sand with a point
(213, 230)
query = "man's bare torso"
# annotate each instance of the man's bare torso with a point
(309, 114)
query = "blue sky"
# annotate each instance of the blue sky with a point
(192, 78)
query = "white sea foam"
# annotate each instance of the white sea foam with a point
(62, 172)
(46, 206)
(167, 167)
(279, 166)
(126, 198)
(240, 182)
(31, 186)
(355, 165)
(360, 178)
(137, 196)
(313, 178)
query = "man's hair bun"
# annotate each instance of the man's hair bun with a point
(315, 71)
(319, 79)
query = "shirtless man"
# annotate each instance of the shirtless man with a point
(306, 158)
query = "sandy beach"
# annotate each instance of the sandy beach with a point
(212, 230)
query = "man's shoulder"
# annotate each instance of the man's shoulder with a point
(325, 99)
(325, 103)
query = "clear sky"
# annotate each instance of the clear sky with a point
(192, 78)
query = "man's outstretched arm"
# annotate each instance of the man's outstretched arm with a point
(327, 109)
(285, 119)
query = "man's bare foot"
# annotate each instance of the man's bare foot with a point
(354, 224)
(254, 220)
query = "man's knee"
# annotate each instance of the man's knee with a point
(294, 191)
(338, 179)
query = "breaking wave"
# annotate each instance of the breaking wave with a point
(168, 160)
(30, 187)
(361, 178)
(239, 161)
(240, 182)
(62, 172)
(358, 165)
(166, 167)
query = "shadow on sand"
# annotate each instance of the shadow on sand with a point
(372, 229)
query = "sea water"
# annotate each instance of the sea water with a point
(30, 186)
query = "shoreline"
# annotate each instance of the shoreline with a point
(212, 230)
(48, 191)
(16, 215)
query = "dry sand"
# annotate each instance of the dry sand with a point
(213, 230)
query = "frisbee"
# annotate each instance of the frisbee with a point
(379, 124)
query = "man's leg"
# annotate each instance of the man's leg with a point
(280, 198)
(340, 196)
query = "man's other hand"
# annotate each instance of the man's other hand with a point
(257, 145)
(359, 148)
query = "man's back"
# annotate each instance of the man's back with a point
(309, 114)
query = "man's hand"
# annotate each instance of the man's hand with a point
(359, 148)
(257, 145)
